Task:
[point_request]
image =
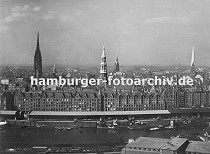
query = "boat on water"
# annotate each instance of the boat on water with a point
(69, 128)
(170, 127)
(159, 127)
(155, 128)
(139, 126)
(2, 123)
(38, 126)
(111, 127)
(105, 127)
(64, 128)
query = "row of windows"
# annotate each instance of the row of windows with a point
(93, 107)
(21, 99)
(144, 149)
(108, 99)
(87, 104)
(58, 109)
(194, 153)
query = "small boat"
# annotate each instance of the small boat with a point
(69, 128)
(38, 126)
(2, 123)
(170, 127)
(57, 127)
(161, 126)
(11, 150)
(111, 127)
(155, 128)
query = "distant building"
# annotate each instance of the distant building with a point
(7, 101)
(88, 101)
(191, 98)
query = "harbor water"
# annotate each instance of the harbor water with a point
(13, 137)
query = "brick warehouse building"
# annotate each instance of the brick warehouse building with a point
(90, 100)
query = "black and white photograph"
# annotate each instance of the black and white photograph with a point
(105, 76)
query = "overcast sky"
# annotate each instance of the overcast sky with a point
(142, 32)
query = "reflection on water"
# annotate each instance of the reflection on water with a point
(11, 137)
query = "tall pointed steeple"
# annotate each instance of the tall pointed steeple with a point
(103, 53)
(117, 66)
(54, 69)
(193, 57)
(192, 64)
(37, 60)
(54, 72)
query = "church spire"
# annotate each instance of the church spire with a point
(54, 69)
(38, 60)
(103, 53)
(193, 57)
(37, 44)
(117, 66)
(192, 65)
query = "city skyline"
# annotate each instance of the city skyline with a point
(73, 32)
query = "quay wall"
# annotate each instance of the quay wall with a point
(84, 124)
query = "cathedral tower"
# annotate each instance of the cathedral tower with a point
(37, 60)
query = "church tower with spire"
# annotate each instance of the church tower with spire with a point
(192, 64)
(37, 60)
(54, 71)
(103, 69)
(116, 64)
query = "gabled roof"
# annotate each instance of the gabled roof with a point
(58, 95)
(67, 94)
(174, 143)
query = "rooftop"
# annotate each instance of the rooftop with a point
(198, 147)
(81, 113)
(157, 143)
(174, 143)
(148, 142)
